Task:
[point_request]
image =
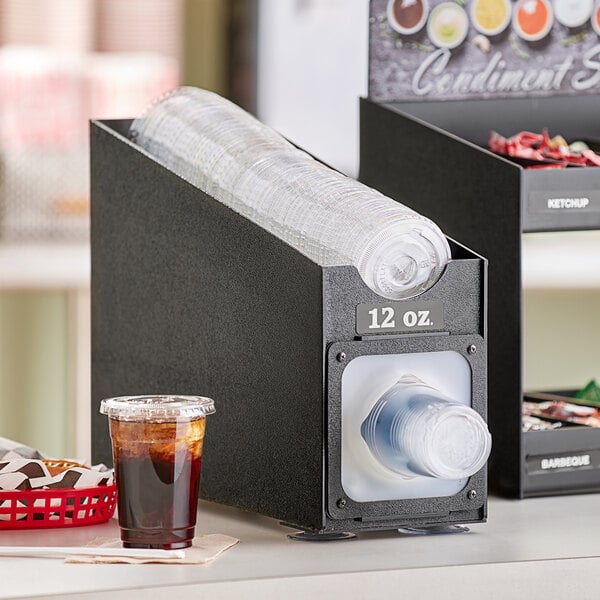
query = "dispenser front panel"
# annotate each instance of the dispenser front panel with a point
(365, 482)
(373, 467)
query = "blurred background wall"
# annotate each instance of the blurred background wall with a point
(63, 62)
(301, 65)
(66, 61)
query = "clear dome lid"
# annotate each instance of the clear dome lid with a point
(405, 258)
(157, 408)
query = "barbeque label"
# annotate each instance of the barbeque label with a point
(564, 462)
(538, 465)
(399, 317)
(444, 49)
(553, 202)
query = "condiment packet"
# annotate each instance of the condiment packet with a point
(204, 549)
(548, 152)
(590, 393)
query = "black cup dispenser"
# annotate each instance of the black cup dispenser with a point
(323, 388)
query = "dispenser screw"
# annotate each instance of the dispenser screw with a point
(341, 503)
(472, 494)
(472, 349)
(341, 357)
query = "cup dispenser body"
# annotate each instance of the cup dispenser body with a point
(308, 366)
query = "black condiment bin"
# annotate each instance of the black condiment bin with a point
(433, 157)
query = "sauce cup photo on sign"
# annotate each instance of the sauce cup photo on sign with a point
(407, 16)
(532, 19)
(572, 13)
(596, 18)
(448, 25)
(491, 17)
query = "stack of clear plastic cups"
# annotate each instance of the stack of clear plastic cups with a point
(414, 430)
(330, 218)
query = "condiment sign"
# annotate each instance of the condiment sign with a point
(455, 49)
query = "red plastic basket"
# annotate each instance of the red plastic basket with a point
(67, 507)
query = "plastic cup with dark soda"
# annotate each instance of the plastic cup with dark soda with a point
(157, 452)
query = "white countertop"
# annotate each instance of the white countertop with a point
(537, 548)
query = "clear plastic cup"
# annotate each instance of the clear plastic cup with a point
(414, 430)
(330, 218)
(157, 450)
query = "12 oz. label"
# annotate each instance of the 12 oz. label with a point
(399, 317)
